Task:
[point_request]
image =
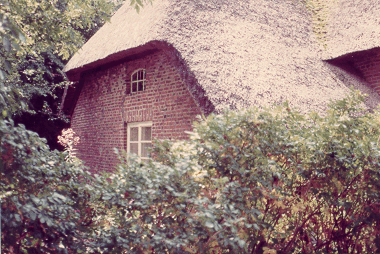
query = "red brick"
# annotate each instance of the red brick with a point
(370, 68)
(100, 110)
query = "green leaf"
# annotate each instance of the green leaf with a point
(49, 223)
(33, 215)
(6, 43)
(21, 36)
(2, 75)
(8, 65)
(18, 217)
(209, 224)
(137, 8)
(241, 243)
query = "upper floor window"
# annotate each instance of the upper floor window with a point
(138, 80)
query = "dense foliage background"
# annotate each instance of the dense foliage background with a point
(257, 181)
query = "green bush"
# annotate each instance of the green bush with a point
(44, 199)
(257, 181)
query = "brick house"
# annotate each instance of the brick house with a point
(147, 76)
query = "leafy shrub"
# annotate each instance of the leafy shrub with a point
(44, 198)
(300, 184)
(258, 181)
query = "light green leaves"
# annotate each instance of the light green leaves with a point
(139, 4)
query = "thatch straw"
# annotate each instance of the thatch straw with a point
(353, 25)
(242, 53)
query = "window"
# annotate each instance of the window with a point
(139, 139)
(138, 80)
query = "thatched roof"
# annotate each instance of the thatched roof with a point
(352, 25)
(242, 53)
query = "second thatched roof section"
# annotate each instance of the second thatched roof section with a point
(352, 25)
(242, 53)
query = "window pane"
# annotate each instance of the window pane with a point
(134, 77)
(141, 75)
(144, 149)
(134, 134)
(146, 134)
(134, 87)
(134, 148)
(141, 86)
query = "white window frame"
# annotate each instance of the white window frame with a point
(139, 125)
(137, 81)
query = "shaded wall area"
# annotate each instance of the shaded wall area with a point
(364, 64)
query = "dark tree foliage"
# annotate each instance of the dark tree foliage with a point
(41, 75)
(45, 116)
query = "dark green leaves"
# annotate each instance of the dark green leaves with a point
(257, 181)
(42, 198)
(36, 35)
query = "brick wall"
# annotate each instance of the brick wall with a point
(368, 63)
(104, 107)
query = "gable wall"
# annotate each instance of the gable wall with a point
(103, 108)
(369, 66)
